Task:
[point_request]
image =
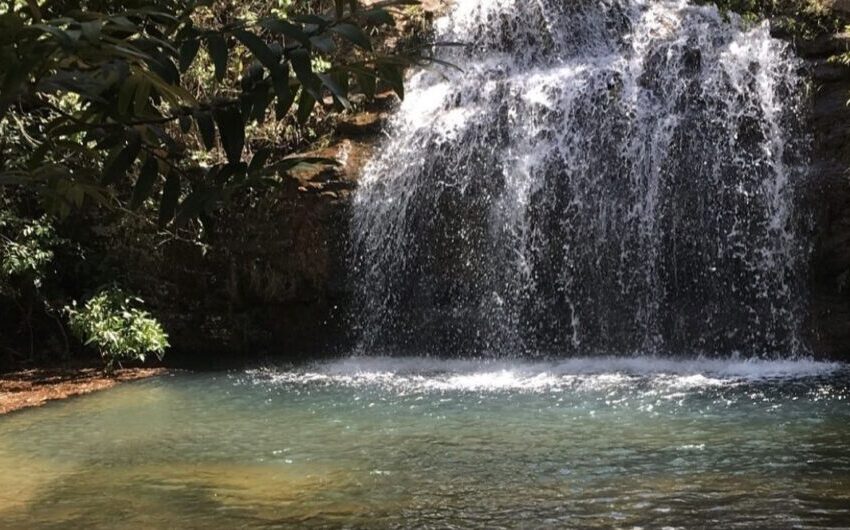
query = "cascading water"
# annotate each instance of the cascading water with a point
(602, 176)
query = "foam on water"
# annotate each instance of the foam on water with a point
(580, 374)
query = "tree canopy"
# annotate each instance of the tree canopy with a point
(157, 113)
(118, 103)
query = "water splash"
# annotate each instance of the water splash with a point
(596, 374)
(603, 177)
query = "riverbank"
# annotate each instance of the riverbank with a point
(34, 388)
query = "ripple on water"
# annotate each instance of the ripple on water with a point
(383, 443)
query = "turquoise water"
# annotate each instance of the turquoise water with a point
(380, 443)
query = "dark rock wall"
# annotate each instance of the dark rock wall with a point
(271, 281)
(828, 195)
(274, 284)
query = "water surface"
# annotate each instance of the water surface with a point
(385, 443)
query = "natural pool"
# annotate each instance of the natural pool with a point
(378, 443)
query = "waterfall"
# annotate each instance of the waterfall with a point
(597, 177)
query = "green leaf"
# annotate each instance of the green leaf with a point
(379, 17)
(126, 93)
(206, 126)
(284, 102)
(258, 162)
(188, 53)
(324, 43)
(124, 24)
(336, 88)
(354, 34)
(269, 59)
(162, 65)
(252, 76)
(191, 207)
(285, 95)
(300, 60)
(391, 73)
(259, 48)
(246, 103)
(225, 173)
(260, 102)
(91, 30)
(170, 197)
(367, 84)
(118, 166)
(287, 29)
(144, 185)
(318, 20)
(218, 50)
(142, 97)
(207, 222)
(64, 38)
(231, 128)
(185, 123)
(305, 106)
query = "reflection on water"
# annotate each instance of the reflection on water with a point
(417, 442)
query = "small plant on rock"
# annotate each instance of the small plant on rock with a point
(112, 323)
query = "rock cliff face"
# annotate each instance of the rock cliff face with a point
(829, 195)
(273, 283)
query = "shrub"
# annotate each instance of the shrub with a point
(112, 323)
(26, 248)
(29, 246)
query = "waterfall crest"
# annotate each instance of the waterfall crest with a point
(602, 177)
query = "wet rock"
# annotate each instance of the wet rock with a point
(363, 124)
(823, 46)
(839, 6)
(828, 196)
(828, 71)
(691, 61)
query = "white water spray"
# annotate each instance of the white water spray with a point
(597, 374)
(602, 177)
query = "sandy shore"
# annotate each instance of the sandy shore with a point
(33, 388)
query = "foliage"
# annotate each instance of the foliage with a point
(112, 323)
(143, 118)
(110, 99)
(27, 249)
